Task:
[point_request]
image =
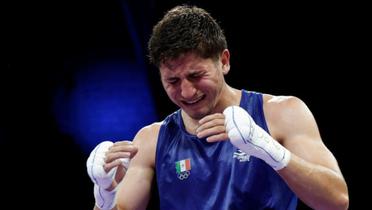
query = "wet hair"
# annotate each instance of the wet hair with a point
(185, 29)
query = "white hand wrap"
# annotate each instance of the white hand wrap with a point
(246, 135)
(95, 163)
(102, 180)
(105, 200)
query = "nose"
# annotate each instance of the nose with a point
(187, 89)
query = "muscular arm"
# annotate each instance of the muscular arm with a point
(312, 173)
(134, 190)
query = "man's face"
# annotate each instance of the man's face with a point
(193, 83)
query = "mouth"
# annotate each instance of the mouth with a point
(193, 101)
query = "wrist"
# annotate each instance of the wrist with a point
(269, 150)
(104, 199)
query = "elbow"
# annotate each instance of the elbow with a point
(339, 202)
(341, 198)
(343, 202)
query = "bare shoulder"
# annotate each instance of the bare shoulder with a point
(146, 140)
(286, 115)
(282, 107)
(147, 134)
(274, 101)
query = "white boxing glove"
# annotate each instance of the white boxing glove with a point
(246, 135)
(102, 180)
(95, 163)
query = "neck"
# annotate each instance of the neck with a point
(229, 97)
(190, 124)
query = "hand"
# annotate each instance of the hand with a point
(212, 127)
(106, 166)
(246, 135)
(118, 156)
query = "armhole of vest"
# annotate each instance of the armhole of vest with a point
(158, 142)
(244, 98)
(262, 113)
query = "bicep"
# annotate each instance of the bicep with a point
(311, 149)
(296, 128)
(305, 141)
(135, 189)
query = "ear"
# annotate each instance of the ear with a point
(225, 60)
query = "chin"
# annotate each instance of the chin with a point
(199, 114)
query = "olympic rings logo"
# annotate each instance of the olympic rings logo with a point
(183, 175)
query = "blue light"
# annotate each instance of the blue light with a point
(108, 101)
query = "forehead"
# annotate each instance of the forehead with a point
(183, 59)
(189, 61)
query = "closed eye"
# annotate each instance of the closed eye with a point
(194, 76)
(172, 80)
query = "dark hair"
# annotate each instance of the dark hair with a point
(186, 29)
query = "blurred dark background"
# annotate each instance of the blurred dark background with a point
(76, 73)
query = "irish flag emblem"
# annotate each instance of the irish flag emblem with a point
(183, 168)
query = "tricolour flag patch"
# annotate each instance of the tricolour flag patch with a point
(183, 165)
(183, 168)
